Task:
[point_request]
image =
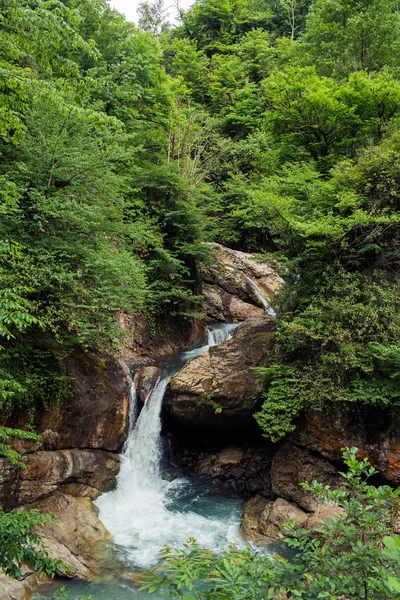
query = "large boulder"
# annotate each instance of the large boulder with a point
(277, 514)
(291, 466)
(222, 306)
(249, 528)
(245, 470)
(376, 433)
(219, 390)
(263, 522)
(229, 284)
(80, 472)
(76, 536)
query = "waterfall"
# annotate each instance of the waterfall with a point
(217, 334)
(267, 307)
(141, 513)
(141, 459)
(133, 411)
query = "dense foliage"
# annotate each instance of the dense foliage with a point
(265, 125)
(298, 104)
(342, 559)
(269, 126)
(95, 218)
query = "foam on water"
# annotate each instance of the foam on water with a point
(147, 513)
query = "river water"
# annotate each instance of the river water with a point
(148, 511)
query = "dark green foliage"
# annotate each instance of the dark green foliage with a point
(343, 558)
(20, 545)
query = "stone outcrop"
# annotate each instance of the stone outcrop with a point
(80, 472)
(13, 589)
(263, 521)
(222, 306)
(228, 293)
(76, 537)
(93, 416)
(276, 515)
(245, 470)
(219, 389)
(144, 345)
(252, 512)
(292, 465)
(146, 379)
(374, 432)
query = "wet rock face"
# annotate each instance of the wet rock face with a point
(228, 293)
(219, 389)
(94, 415)
(292, 465)
(374, 432)
(79, 472)
(244, 470)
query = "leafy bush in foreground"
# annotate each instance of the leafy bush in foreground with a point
(343, 560)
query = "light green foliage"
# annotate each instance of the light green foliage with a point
(20, 545)
(343, 558)
(393, 552)
(95, 219)
(192, 573)
(343, 36)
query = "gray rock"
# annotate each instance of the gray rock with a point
(293, 465)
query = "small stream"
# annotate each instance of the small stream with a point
(147, 512)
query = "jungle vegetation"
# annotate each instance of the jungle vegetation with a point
(266, 125)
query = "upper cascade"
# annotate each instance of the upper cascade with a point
(238, 285)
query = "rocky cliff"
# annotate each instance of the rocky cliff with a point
(209, 414)
(78, 454)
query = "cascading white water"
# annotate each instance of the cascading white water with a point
(217, 334)
(146, 513)
(141, 460)
(267, 307)
(133, 411)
